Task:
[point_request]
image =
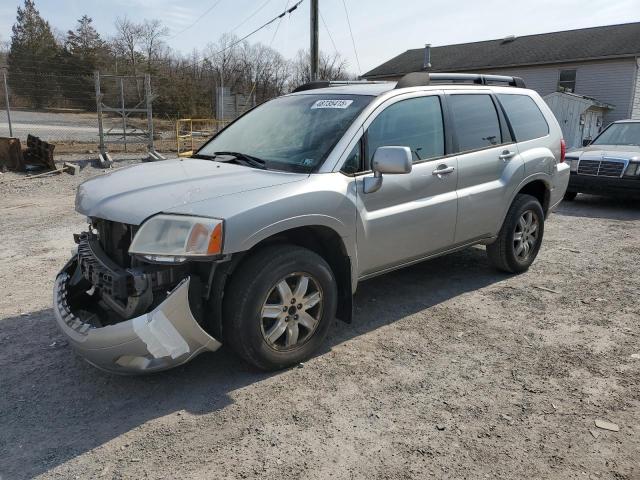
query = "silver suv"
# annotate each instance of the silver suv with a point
(261, 238)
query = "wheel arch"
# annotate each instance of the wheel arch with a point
(540, 189)
(321, 239)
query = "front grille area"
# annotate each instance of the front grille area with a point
(601, 168)
(115, 239)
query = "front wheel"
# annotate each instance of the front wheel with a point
(520, 237)
(570, 196)
(279, 306)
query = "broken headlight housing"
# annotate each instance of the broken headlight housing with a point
(168, 238)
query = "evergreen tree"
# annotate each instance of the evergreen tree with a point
(84, 52)
(85, 44)
(33, 56)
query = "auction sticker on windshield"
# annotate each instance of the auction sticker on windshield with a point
(331, 104)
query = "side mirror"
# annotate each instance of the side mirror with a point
(390, 160)
(586, 142)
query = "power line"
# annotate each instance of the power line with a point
(249, 17)
(352, 40)
(294, 7)
(255, 82)
(328, 32)
(197, 19)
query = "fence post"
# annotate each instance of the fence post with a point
(96, 76)
(6, 97)
(124, 117)
(147, 91)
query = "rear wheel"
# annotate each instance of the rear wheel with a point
(570, 196)
(279, 306)
(520, 237)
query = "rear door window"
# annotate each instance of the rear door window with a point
(525, 117)
(475, 120)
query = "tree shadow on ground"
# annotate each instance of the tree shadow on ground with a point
(55, 407)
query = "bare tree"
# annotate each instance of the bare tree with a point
(151, 34)
(127, 41)
(332, 67)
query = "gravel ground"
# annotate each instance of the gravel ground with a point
(449, 370)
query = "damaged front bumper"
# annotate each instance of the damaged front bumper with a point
(165, 337)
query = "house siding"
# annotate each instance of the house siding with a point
(610, 82)
(635, 108)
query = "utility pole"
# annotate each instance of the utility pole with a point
(314, 53)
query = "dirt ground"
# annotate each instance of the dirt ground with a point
(449, 370)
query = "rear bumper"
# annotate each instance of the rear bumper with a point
(604, 185)
(163, 338)
(560, 182)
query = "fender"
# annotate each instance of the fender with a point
(312, 220)
(544, 177)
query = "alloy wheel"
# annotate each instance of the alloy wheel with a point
(291, 312)
(526, 234)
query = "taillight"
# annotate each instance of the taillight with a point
(563, 149)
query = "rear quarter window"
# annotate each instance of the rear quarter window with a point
(527, 121)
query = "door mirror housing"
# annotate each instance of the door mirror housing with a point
(391, 160)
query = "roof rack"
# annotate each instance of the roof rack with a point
(333, 83)
(420, 79)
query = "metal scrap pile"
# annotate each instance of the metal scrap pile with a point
(37, 156)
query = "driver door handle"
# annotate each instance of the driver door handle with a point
(506, 155)
(443, 170)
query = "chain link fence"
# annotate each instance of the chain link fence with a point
(62, 109)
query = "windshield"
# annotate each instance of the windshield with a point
(619, 134)
(294, 133)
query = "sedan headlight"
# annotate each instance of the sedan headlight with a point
(632, 169)
(573, 163)
(175, 238)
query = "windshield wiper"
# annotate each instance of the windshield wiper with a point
(202, 156)
(245, 159)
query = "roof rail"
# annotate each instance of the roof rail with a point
(333, 83)
(420, 79)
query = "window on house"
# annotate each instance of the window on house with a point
(567, 81)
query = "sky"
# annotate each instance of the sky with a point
(382, 29)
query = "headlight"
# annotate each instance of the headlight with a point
(632, 169)
(174, 238)
(573, 164)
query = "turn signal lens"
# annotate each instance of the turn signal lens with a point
(563, 149)
(215, 240)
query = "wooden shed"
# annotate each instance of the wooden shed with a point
(580, 117)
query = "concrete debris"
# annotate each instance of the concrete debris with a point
(71, 168)
(604, 425)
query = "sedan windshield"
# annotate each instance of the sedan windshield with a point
(294, 133)
(619, 134)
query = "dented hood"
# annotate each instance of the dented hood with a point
(130, 195)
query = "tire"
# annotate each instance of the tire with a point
(505, 253)
(570, 196)
(250, 325)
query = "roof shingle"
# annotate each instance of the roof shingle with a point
(612, 41)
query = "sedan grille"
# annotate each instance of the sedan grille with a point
(601, 168)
